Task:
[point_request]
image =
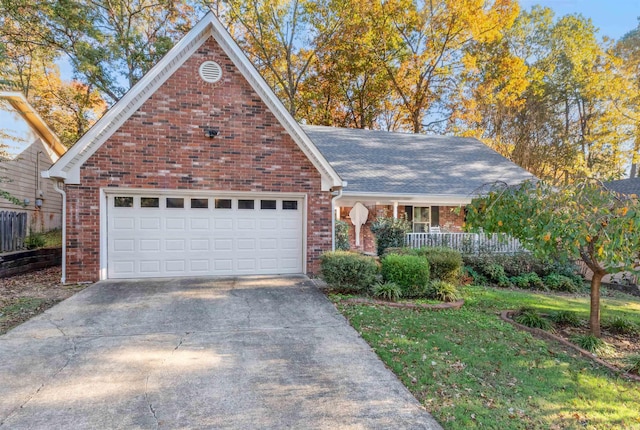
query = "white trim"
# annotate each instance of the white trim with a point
(104, 240)
(69, 165)
(112, 191)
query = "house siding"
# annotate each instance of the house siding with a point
(21, 178)
(163, 146)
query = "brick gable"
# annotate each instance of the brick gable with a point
(163, 146)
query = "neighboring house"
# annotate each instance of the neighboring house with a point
(200, 170)
(629, 186)
(27, 147)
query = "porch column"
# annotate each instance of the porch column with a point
(337, 213)
(395, 210)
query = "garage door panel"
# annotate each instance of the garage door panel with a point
(181, 241)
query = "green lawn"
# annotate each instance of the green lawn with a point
(472, 370)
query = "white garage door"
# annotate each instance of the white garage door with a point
(186, 235)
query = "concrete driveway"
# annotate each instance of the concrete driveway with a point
(198, 353)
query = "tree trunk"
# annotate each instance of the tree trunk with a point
(594, 317)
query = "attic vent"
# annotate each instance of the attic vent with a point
(210, 71)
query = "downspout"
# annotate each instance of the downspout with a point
(333, 219)
(56, 186)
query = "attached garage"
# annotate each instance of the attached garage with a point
(196, 234)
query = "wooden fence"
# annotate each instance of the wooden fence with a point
(13, 230)
(467, 243)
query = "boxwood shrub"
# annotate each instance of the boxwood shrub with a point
(410, 272)
(348, 272)
(445, 264)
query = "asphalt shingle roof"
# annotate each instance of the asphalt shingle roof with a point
(374, 161)
(623, 186)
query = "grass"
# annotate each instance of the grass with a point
(53, 238)
(15, 311)
(472, 370)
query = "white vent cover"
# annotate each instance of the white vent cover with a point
(210, 71)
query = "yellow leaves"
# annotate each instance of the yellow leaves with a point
(500, 223)
(547, 237)
(588, 238)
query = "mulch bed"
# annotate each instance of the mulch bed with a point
(507, 316)
(362, 301)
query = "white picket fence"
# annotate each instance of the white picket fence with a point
(467, 243)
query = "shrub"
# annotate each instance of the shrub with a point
(567, 269)
(527, 281)
(445, 263)
(496, 274)
(532, 318)
(348, 271)
(342, 236)
(397, 250)
(390, 232)
(443, 290)
(567, 318)
(557, 282)
(632, 364)
(34, 241)
(477, 278)
(410, 272)
(513, 264)
(590, 343)
(387, 291)
(619, 325)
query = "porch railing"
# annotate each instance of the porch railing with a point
(467, 243)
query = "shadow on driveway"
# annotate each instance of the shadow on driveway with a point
(252, 352)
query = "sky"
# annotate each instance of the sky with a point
(614, 18)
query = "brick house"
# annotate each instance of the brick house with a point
(200, 170)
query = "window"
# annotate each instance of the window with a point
(421, 219)
(290, 205)
(175, 203)
(267, 204)
(123, 202)
(245, 204)
(199, 203)
(149, 202)
(223, 204)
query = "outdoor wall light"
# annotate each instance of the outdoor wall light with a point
(211, 133)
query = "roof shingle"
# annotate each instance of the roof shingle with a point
(412, 164)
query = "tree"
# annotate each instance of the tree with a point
(583, 221)
(628, 49)
(546, 96)
(69, 108)
(421, 46)
(111, 44)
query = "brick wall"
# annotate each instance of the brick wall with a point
(162, 145)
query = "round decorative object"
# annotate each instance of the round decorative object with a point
(210, 71)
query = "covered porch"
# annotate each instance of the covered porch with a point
(426, 214)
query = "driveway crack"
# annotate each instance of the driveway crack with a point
(50, 378)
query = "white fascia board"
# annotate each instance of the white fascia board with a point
(406, 199)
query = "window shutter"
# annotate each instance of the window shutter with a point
(435, 216)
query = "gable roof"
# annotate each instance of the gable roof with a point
(68, 167)
(625, 186)
(20, 103)
(399, 164)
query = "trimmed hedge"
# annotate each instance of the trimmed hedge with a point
(445, 263)
(410, 272)
(348, 272)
